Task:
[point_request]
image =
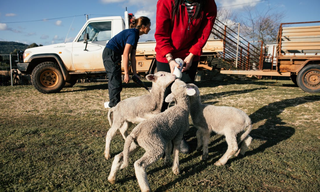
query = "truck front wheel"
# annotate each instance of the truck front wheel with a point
(47, 77)
(308, 79)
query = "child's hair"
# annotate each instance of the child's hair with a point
(137, 23)
(200, 4)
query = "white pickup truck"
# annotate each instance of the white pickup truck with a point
(54, 66)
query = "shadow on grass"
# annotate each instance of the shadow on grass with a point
(208, 83)
(215, 83)
(229, 93)
(273, 132)
(86, 87)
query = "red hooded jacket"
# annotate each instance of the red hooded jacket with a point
(182, 36)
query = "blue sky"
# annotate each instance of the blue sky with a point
(46, 22)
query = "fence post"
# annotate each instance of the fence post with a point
(238, 45)
(248, 57)
(11, 70)
(241, 59)
(224, 42)
(261, 57)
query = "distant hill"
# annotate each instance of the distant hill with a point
(7, 47)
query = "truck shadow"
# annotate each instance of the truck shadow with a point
(226, 94)
(272, 132)
(274, 129)
(104, 86)
(211, 83)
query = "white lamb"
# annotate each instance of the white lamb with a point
(137, 109)
(155, 135)
(231, 122)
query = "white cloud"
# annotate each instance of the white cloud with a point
(56, 37)
(237, 4)
(58, 23)
(44, 37)
(131, 2)
(3, 27)
(31, 34)
(10, 14)
(144, 13)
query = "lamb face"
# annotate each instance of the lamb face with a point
(161, 79)
(180, 90)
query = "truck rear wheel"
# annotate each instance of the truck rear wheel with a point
(308, 79)
(47, 77)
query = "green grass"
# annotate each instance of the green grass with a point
(55, 142)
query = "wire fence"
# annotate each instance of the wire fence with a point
(8, 68)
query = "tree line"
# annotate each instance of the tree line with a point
(10, 47)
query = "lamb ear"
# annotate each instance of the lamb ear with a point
(191, 85)
(191, 91)
(151, 77)
(169, 98)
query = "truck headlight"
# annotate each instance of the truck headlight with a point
(25, 55)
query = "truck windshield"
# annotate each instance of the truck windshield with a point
(98, 31)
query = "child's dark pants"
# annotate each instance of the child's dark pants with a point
(112, 64)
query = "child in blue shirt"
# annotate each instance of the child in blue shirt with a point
(123, 44)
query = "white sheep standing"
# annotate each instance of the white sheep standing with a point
(231, 122)
(155, 135)
(137, 109)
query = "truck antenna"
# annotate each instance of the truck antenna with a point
(69, 31)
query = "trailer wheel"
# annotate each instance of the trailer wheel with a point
(47, 77)
(308, 79)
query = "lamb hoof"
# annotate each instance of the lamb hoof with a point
(176, 171)
(112, 180)
(107, 156)
(218, 163)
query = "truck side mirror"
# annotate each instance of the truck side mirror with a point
(86, 38)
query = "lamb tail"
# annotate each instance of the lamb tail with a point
(246, 133)
(245, 139)
(109, 116)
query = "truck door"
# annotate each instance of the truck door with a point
(87, 50)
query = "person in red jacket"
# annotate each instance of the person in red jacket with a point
(182, 29)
